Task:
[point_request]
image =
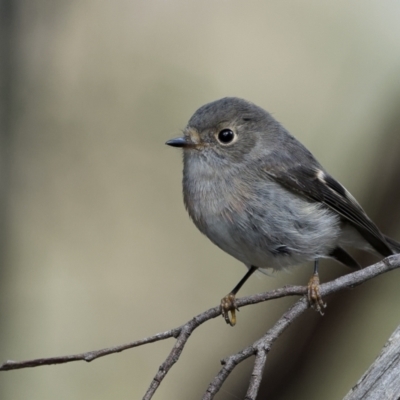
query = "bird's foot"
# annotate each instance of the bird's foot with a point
(228, 308)
(314, 295)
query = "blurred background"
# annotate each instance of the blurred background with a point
(96, 247)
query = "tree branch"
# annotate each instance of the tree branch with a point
(382, 379)
(175, 332)
(265, 343)
(260, 348)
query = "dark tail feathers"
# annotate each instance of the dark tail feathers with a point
(395, 246)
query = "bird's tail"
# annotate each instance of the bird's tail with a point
(395, 246)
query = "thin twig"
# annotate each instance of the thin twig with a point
(175, 332)
(256, 376)
(88, 356)
(172, 357)
(261, 345)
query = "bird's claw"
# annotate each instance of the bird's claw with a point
(228, 309)
(314, 295)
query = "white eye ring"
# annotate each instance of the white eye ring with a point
(226, 137)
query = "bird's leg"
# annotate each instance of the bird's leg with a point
(314, 295)
(228, 302)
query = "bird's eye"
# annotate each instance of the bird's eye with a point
(226, 136)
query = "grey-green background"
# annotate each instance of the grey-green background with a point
(96, 247)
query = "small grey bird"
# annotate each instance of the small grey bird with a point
(261, 196)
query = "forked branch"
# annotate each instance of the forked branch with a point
(259, 349)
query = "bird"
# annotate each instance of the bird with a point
(261, 196)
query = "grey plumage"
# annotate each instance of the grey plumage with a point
(262, 197)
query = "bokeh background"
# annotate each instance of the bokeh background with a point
(96, 247)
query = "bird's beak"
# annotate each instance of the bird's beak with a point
(178, 142)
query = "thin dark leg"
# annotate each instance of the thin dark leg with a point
(228, 302)
(249, 273)
(316, 264)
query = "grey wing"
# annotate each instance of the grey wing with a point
(315, 184)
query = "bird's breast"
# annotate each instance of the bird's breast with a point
(256, 220)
